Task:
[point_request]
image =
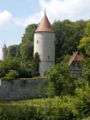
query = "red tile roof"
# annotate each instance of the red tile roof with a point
(75, 57)
(44, 25)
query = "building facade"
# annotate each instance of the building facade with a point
(4, 52)
(75, 64)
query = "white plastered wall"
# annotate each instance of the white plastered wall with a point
(44, 45)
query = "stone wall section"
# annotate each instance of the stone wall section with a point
(22, 89)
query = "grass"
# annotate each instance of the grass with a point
(64, 107)
(56, 101)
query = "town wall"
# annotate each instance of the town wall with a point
(22, 89)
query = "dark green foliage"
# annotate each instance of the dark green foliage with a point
(28, 69)
(14, 68)
(87, 118)
(12, 74)
(26, 47)
(13, 51)
(61, 78)
(85, 41)
(85, 46)
(68, 35)
(86, 69)
(83, 104)
(9, 64)
(36, 61)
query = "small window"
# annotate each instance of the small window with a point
(48, 57)
(37, 41)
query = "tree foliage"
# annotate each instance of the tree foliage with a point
(26, 47)
(60, 77)
(15, 68)
(13, 51)
(68, 35)
(85, 41)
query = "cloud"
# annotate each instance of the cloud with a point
(5, 17)
(26, 21)
(58, 10)
(35, 18)
(66, 9)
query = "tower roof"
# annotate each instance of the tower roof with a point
(4, 46)
(44, 25)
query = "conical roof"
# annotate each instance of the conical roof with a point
(44, 25)
(4, 46)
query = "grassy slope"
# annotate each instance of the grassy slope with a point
(63, 107)
(40, 102)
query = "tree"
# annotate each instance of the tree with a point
(85, 48)
(26, 47)
(36, 63)
(83, 105)
(85, 41)
(13, 51)
(68, 35)
(9, 64)
(62, 80)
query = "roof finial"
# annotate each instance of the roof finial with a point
(45, 11)
(4, 42)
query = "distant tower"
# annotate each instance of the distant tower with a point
(44, 45)
(4, 52)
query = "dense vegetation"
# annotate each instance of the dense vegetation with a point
(68, 35)
(68, 97)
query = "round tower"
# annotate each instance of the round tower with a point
(44, 45)
(4, 52)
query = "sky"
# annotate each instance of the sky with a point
(16, 15)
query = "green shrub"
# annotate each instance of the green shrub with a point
(62, 80)
(36, 113)
(87, 118)
(12, 74)
(83, 102)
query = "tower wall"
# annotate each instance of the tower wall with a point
(44, 45)
(4, 52)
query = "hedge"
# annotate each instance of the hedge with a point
(58, 108)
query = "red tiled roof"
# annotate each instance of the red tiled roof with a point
(75, 57)
(44, 25)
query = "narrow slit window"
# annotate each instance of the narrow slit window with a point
(37, 41)
(48, 57)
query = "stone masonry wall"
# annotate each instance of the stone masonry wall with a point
(22, 89)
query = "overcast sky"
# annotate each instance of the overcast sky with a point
(15, 15)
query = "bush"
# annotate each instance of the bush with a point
(87, 118)
(19, 112)
(62, 80)
(12, 74)
(58, 108)
(83, 104)
(24, 69)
